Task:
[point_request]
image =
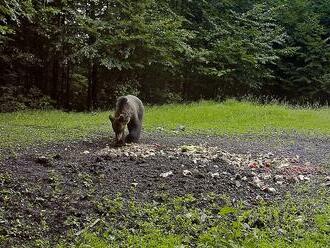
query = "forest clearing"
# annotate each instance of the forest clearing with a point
(176, 187)
(226, 111)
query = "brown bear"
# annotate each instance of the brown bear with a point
(129, 111)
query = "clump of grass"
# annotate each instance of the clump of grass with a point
(230, 117)
(182, 222)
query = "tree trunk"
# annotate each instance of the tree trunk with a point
(54, 79)
(92, 80)
(68, 88)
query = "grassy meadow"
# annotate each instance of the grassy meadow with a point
(230, 118)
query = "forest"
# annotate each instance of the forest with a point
(81, 55)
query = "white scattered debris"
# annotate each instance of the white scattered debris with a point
(266, 176)
(262, 165)
(278, 177)
(256, 180)
(200, 155)
(166, 174)
(86, 152)
(271, 190)
(283, 165)
(215, 175)
(303, 178)
(186, 172)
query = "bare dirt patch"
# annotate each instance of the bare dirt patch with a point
(46, 191)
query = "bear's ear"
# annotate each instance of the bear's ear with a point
(111, 118)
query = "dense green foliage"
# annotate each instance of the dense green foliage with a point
(83, 54)
(228, 118)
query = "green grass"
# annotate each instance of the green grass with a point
(230, 117)
(182, 222)
(43, 126)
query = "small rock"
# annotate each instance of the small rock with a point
(57, 156)
(270, 154)
(134, 184)
(42, 160)
(327, 179)
(215, 175)
(301, 177)
(253, 165)
(267, 164)
(86, 152)
(258, 183)
(262, 187)
(279, 182)
(246, 226)
(326, 184)
(244, 178)
(252, 174)
(278, 177)
(199, 175)
(266, 176)
(256, 179)
(203, 217)
(237, 177)
(238, 184)
(270, 190)
(259, 198)
(283, 165)
(180, 128)
(186, 172)
(293, 179)
(166, 174)
(98, 159)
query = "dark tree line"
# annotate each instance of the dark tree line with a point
(82, 54)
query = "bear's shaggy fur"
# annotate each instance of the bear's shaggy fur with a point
(129, 111)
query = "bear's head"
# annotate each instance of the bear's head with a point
(118, 125)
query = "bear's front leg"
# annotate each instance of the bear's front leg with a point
(134, 130)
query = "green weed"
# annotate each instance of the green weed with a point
(182, 222)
